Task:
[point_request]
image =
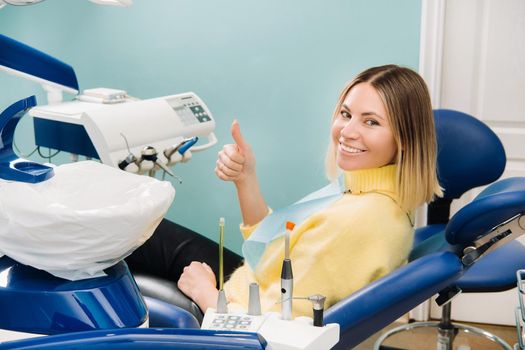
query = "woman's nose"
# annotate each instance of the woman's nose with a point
(350, 130)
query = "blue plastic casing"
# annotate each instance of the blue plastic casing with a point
(147, 339)
(34, 301)
(11, 166)
(22, 58)
(187, 145)
(67, 137)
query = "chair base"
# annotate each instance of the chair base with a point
(445, 336)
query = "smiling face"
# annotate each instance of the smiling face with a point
(361, 131)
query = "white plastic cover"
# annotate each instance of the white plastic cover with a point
(86, 218)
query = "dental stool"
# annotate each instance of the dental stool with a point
(496, 271)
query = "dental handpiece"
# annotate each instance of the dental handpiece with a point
(318, 308)
(130, 160)
(287, 277)
(150, 153)
(182, 147)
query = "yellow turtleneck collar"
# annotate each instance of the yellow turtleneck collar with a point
(381, 179)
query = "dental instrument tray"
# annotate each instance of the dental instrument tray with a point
(297, 334)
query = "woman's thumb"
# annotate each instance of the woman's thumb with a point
(237, 136)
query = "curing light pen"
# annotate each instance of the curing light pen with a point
(287, 276)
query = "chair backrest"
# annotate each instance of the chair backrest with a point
(470, 154)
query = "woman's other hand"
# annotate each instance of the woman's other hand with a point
(198, 282)
(236, 162)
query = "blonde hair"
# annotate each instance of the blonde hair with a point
(407, 102)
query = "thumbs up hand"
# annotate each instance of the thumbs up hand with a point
(236, 162)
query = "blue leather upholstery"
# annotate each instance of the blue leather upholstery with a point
(483, 161)
(499, 200)
(426, 232)
(383, 301)
(495, 272)
(378, 304)
(470, 154)
(162, 314)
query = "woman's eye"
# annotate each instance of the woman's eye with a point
(371, 122)
(346, 115)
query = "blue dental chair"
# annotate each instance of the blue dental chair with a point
(469, 155)
(496, 271)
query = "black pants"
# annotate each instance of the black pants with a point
(172, 247)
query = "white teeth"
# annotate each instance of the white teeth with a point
(350, 149)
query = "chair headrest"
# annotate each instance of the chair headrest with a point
(496, 204)
(470, 154)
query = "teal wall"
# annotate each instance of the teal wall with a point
(277, 66)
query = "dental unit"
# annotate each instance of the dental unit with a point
(139, 136)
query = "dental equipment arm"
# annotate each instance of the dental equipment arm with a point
(26, 62)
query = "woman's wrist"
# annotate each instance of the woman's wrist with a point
(206, 298)
(246, 183)
(252, 204)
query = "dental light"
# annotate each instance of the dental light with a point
(18, 2)
(120, 3)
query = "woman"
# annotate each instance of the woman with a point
(383, 146)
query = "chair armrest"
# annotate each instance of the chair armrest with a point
(165, 315)
(423, 233)
(167, 291)
(383, 301)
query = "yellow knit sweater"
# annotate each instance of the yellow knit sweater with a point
(336, 251)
